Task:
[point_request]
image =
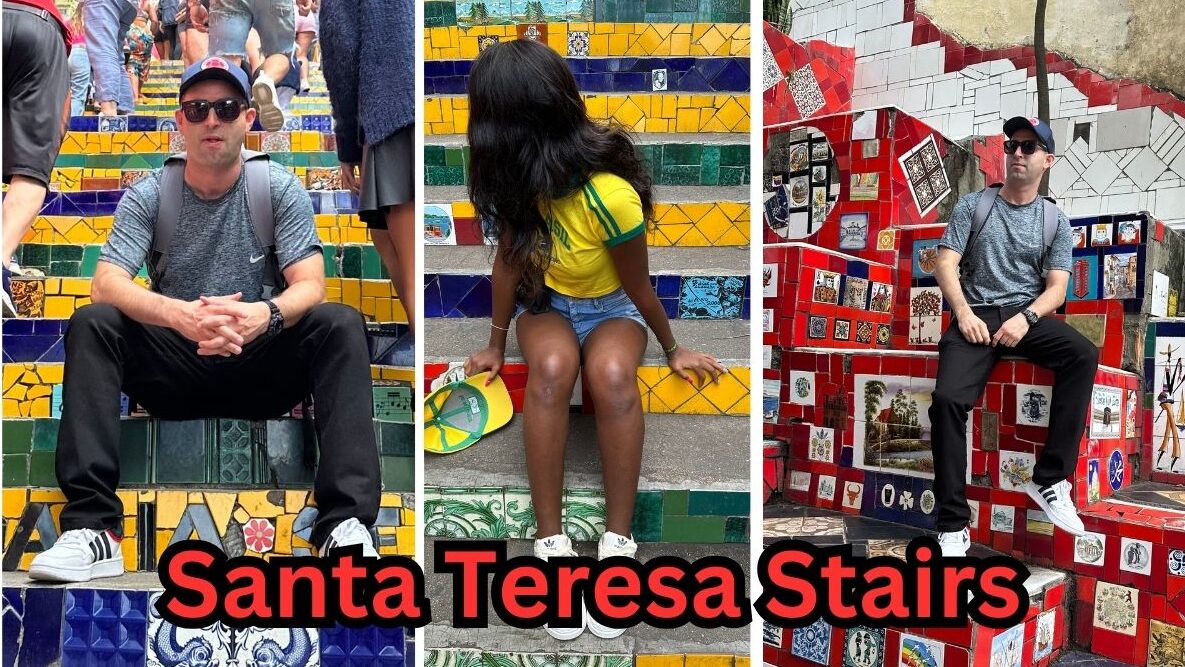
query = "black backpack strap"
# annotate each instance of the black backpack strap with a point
(172, 179)
(259, 205)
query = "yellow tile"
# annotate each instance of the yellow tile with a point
(702, 660)
(256, 504)
(673, 660)
(741, 661)
(59, 307)
(295, 501)
(283, 542)
(221, 506)
(14, 503)
(405, 537)
(390, 499)
(170, 505)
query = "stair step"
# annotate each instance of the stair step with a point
(639, 640)
(728, 261)
(113, 621)
(497, 459)
(727, 340)
(663, 194)
(257, 522)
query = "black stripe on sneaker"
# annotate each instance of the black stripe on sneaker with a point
(1049, 494)
(106, 545)
(95, 551)
(329, 544)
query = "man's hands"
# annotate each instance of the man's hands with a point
(1011, 331)
(221, 325)
(199, 16)
(973, 328)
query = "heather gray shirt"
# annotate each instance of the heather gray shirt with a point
(214, 243)
(1004, 268)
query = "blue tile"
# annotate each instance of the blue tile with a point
(16, 327)
(14, 612)
(105, 627)
(668, 286)
(42, 640)
(432, 299)
(362, 647)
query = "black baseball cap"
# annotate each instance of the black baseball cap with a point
(215, 67)
(1040, 129)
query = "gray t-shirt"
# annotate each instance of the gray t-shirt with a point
(214, 244)
(1003, 268)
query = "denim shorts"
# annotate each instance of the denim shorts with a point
(586, 314)
(231, 20)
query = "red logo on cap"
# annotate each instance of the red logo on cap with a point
(215, 62)
(1034, 121)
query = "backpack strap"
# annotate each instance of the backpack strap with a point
(172, 178)
(1051, 221)
(259, 205)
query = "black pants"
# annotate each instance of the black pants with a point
(963, 370)
(36, 84)
(325, 353)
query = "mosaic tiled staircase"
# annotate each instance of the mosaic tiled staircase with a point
(675, 74)
(853, 316)
(244, 486)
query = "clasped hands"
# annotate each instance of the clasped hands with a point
(1009, 334)
(222, 325)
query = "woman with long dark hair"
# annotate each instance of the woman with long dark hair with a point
(568, 200)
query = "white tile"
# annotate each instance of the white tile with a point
(868, 18)
(946, 92)
(901, 36)
(915, 98)
(899, 68)
(1165, 142)
(1000, 66)
(1101, 173)
(1178, 163)
(1161, 121)
(1083, 206)
(928, 61)
(803, 28)
(845, 36)
(828, 19)
(1170, 203)
(1061, 177)
(960, 125)
(1123, 129)
(987, 100)
(1128, 203)
(893, 12)
(872, 73)
(1016, 76)
(976, 72)
(1145, 168)
(1013, 104)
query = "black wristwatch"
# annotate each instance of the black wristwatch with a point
(1031, 316)
(276, 324)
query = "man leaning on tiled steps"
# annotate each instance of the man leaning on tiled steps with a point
(206, 341)
(1003, 267)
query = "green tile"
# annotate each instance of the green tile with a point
(181, 451)
(718, 503)
(396, 439)
(104, 161)
(329, 252)
(66, 253)
(45, 435)
(135, 454)
(234, 452)
(18, 436)
(65, 269)
(710, 166)
(16, 470)
(352, 262)
(734, 155)
(703, 529)
(65, 161)
(444, 175)
(393, 404)
(648, 516)
(35, 254)
(681, 175)
(399, 473)
(736, 530)
(453, 157)
(90, 259)
(733, 176)
(42, 469)
(675, 502)
(372, 264)
(681, 154)
(433, 156)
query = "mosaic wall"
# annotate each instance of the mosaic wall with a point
(662, 390)
(1164, 382)
(91, 626)
(1121, 141)
(673, 516)
(689, 297)
(439, 657)
(239, 522)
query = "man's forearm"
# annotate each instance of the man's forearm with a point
(298, 299)
(952, 290)
(136, 301)
(1049, 301)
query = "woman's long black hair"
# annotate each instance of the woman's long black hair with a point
(531, 142)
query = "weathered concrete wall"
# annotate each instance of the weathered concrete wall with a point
(1135, 39)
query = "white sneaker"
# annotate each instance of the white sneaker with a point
(263, 91)
(79, 555)
(557, 546)
(348, 533)
(611, 544)
(1056, 503)
(955, 544)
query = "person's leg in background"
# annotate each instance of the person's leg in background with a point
(36, 86)
(275, 21)
(80, 79)
(107, 23)
(304, 46)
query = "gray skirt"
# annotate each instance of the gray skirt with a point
(387, 177)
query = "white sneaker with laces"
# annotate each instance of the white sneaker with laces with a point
(611, 544)
(554, 547)
(1055, 502)
(263, 91)
(348, 533)
(955, 544)
(79, 555)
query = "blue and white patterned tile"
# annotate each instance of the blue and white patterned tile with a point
(169, 645)
(812, 642)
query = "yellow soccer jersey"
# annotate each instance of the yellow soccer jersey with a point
(600, 214)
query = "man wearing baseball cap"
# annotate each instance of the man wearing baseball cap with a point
(1003, 267)
(217, 336)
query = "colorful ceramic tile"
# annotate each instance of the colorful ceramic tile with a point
(805, 91)
(843, 330)
(881, 300)
(826, 287)
(798, 480)
(1106, 418)
(1032, 405)
(817, 327)
(812, 643)
(771, 635)
(1003, 519)
(802, 388)
(770, 283)
(771, 74)
(704, 297)
(925, 174)
(770, 398)
(864, 331)
(920, 652)
(1007, 647)
(1115, 608)
(439, 228)
(1165, 642)
(864, 647)
(892, 434)
(852, 495)
(658, 80)
(1135, 556)
(855, 293)
(1100, 235)
(1092, 481)
(577, 43)
(1119, 276)
(168, 645)
(99, 623)
(864, 186)
(1043, 641)
(1090, 549)
(853, 231)
(822, 444)
(826, 488)
(1084, 278)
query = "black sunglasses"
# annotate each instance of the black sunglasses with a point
(1028, 146)
(227, 109)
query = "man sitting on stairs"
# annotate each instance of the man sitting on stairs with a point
(1003, 266)
(222, 232)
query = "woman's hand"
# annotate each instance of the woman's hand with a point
(685, 362)
(490, 359)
